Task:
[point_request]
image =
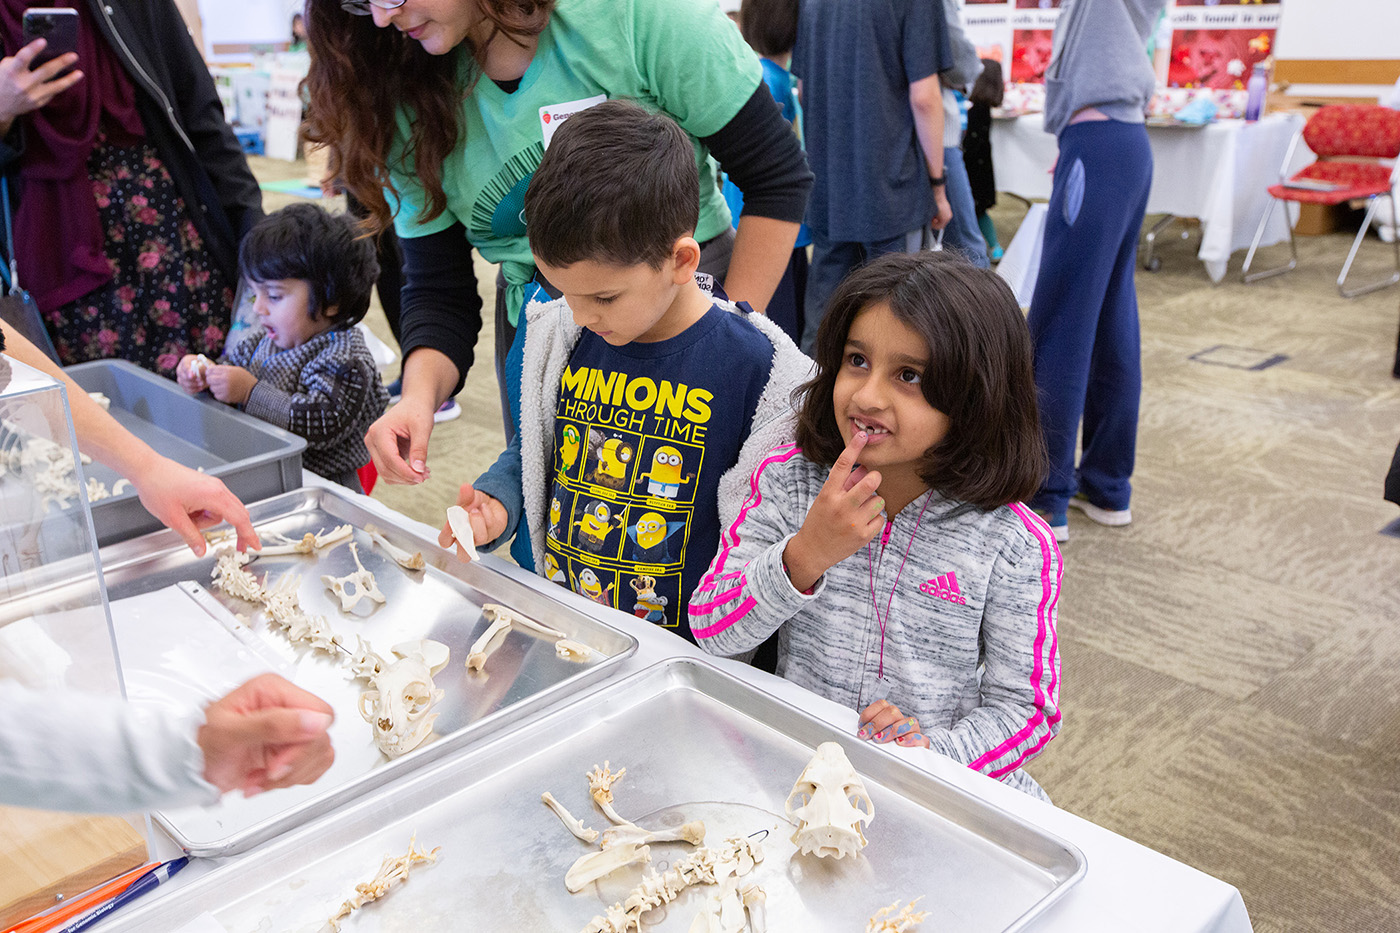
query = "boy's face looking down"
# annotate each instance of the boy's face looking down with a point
(283, 307)
(636, 303)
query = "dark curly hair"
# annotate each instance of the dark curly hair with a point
(979, 374)
(324, 250)
(361, 77)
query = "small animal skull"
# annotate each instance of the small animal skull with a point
(827, 796)
(398, 705)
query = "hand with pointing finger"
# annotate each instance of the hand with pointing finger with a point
(845, 517)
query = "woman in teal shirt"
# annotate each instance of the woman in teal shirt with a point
(436, 113)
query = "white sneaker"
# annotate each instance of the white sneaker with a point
(1114, 518)
(449, 410)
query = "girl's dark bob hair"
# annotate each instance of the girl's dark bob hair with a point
(979, 374)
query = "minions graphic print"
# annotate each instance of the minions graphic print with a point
(642, 434)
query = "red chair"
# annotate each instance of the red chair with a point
(1350, 142)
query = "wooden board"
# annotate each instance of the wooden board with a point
(45, 854)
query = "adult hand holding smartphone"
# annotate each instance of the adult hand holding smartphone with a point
(32, 77)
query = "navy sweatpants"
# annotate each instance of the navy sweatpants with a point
(1084, 316)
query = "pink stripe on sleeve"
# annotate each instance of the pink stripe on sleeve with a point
(719, 597)
(730, 538)
(724, 623)
(1045, 627)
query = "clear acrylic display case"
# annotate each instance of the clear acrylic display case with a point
(55, 635)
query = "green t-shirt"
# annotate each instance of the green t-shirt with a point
(678, 56)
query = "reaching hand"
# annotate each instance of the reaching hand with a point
(267, 733)
(186, 500)
(844, 518)
(230, 384)
(487, 515)
(883, 722)
(23, 91)
(398, 444)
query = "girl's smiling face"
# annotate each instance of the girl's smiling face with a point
(879, 391)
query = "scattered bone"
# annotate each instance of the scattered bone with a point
(600, 785)
(461, 526)
(49, 467)
(401, 557)
(120, 486)
(589, 868)
(571, 823)
(692, 832)
(827, 792)
(657, 890)
(519, 621)
(489, 641)
(756, 903)
(365, 586)
(434, 653)
(230, 577)
(101, 399)
(398, 704)
(393, 871)
(218, 536)
(97, 490)
(902, 922)
(284, 609)
(573, 651)
(282, 546)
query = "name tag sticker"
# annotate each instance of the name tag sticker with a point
(554, 115)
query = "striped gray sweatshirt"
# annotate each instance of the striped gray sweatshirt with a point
(969, 646)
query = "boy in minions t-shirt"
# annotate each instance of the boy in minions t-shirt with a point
(647, 399)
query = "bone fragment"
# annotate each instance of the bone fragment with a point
(525, 623)
(573, 651)
(692, 832)
(392, 871)
(101, 399)
(502, 621)
(572, 823)
(309, 543)
(230, 577)
(434, 653)
(399, 556)
(902, 922)
(589, 868)
(600, 785)
(659, 889)
(461, 526)
(756, 903)
(120, 486)
(365, 586)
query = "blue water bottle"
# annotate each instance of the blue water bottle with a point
(1258, 86)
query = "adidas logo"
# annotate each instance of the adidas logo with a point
(944, 587)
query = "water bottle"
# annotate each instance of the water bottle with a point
(1257, 88)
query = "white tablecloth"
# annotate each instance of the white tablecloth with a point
(1126, 887)
(1217, 173)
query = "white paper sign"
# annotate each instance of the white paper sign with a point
(555, 114)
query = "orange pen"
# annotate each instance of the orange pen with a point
(66, 912)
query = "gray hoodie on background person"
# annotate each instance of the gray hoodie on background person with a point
(1100, 60)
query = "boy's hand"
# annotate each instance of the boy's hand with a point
(190, 374)
(882, 722)
(488, 518)
(230, 384)
(845, 517)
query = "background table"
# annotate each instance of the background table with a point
(1218, 173)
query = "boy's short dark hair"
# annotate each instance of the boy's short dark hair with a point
(979, 374)
(617, 185)
(325, 250)
(769, 26)
(989, 88)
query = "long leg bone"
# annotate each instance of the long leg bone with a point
(572, 823)
(692, 832)
(489, 641)
(401, 557)
(503, 620)
(589, 868)
(519, 621)
(362, 580)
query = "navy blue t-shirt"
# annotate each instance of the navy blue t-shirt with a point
(856, 59)
(642, 434)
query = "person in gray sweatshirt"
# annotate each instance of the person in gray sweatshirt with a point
(1083, 318)
(888, 547)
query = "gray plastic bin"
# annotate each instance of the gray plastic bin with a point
(255, 460)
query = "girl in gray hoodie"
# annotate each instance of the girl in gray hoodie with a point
(888, 547)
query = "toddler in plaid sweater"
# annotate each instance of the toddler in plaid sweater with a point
(305, 367)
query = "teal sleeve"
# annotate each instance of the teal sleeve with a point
(699, 68)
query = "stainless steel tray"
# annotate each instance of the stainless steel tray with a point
(697, 743)
(444, 603)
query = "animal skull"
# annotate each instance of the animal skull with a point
(827, 795)
(398, 704)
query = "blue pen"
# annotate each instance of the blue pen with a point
(147, 882)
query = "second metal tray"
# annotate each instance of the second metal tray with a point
(697, 744)
(442, 602)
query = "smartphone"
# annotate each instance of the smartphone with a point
(59, 25)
